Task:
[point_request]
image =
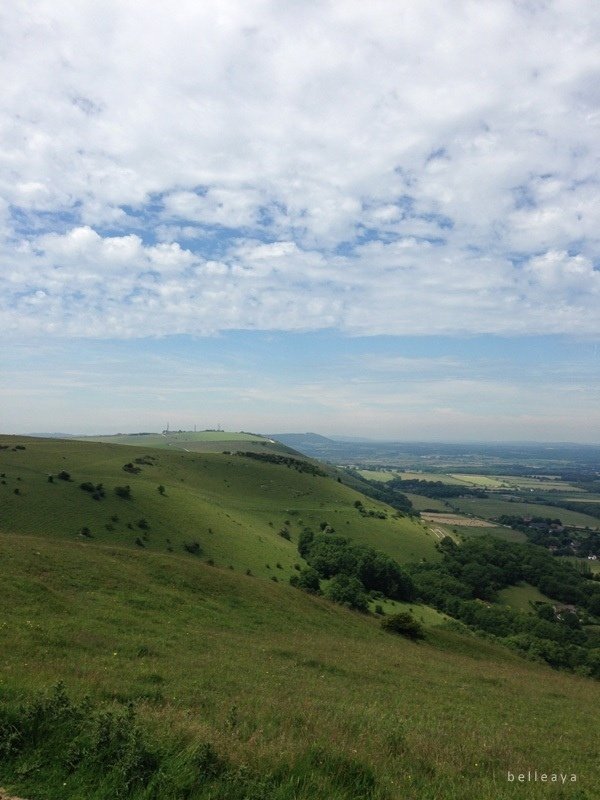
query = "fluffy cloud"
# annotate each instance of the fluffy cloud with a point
(379, 168)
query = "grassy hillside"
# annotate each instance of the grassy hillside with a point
(243, 688)
(316, 700)
(233, 507)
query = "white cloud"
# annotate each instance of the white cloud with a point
(380, 167)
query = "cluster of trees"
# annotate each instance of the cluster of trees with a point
(435, 489)
(466, 581)
(355, 571)
(287, 461)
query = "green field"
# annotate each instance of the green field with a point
(422, 503)
(482, 481)
(383, 476)
(521, 597)
(243, 687)
(493, 482)
(492, 508)
(498, 532)
(430, 477)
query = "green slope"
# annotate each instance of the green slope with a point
(271, 677)
(233, 506)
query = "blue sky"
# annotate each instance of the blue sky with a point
(370, 219)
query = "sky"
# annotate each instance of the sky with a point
(376, 219)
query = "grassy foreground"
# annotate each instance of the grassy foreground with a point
(270, 677)
(205, 682)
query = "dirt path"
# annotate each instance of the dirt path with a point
(5, 796)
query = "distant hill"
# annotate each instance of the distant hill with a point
(500, 456)
(311, 444)
(196, 441)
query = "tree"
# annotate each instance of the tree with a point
(348, 591)
(307, 580)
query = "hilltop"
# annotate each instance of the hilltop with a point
(208, 441)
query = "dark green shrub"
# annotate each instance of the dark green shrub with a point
(285, 534)
(124, 492)
(139, 542)
(63, 475)
(161, 489)
(193, 548)
(404, 624)
(131, 468)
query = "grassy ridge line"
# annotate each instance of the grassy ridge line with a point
(201, 441)
(264, 672)
(233, 506)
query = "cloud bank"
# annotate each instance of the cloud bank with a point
(381, 168)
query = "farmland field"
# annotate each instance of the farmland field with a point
(456, 519)
(496, 531)
(492, 508)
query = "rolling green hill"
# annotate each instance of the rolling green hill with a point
(196, 441)
(234, 507)
(243, 688)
